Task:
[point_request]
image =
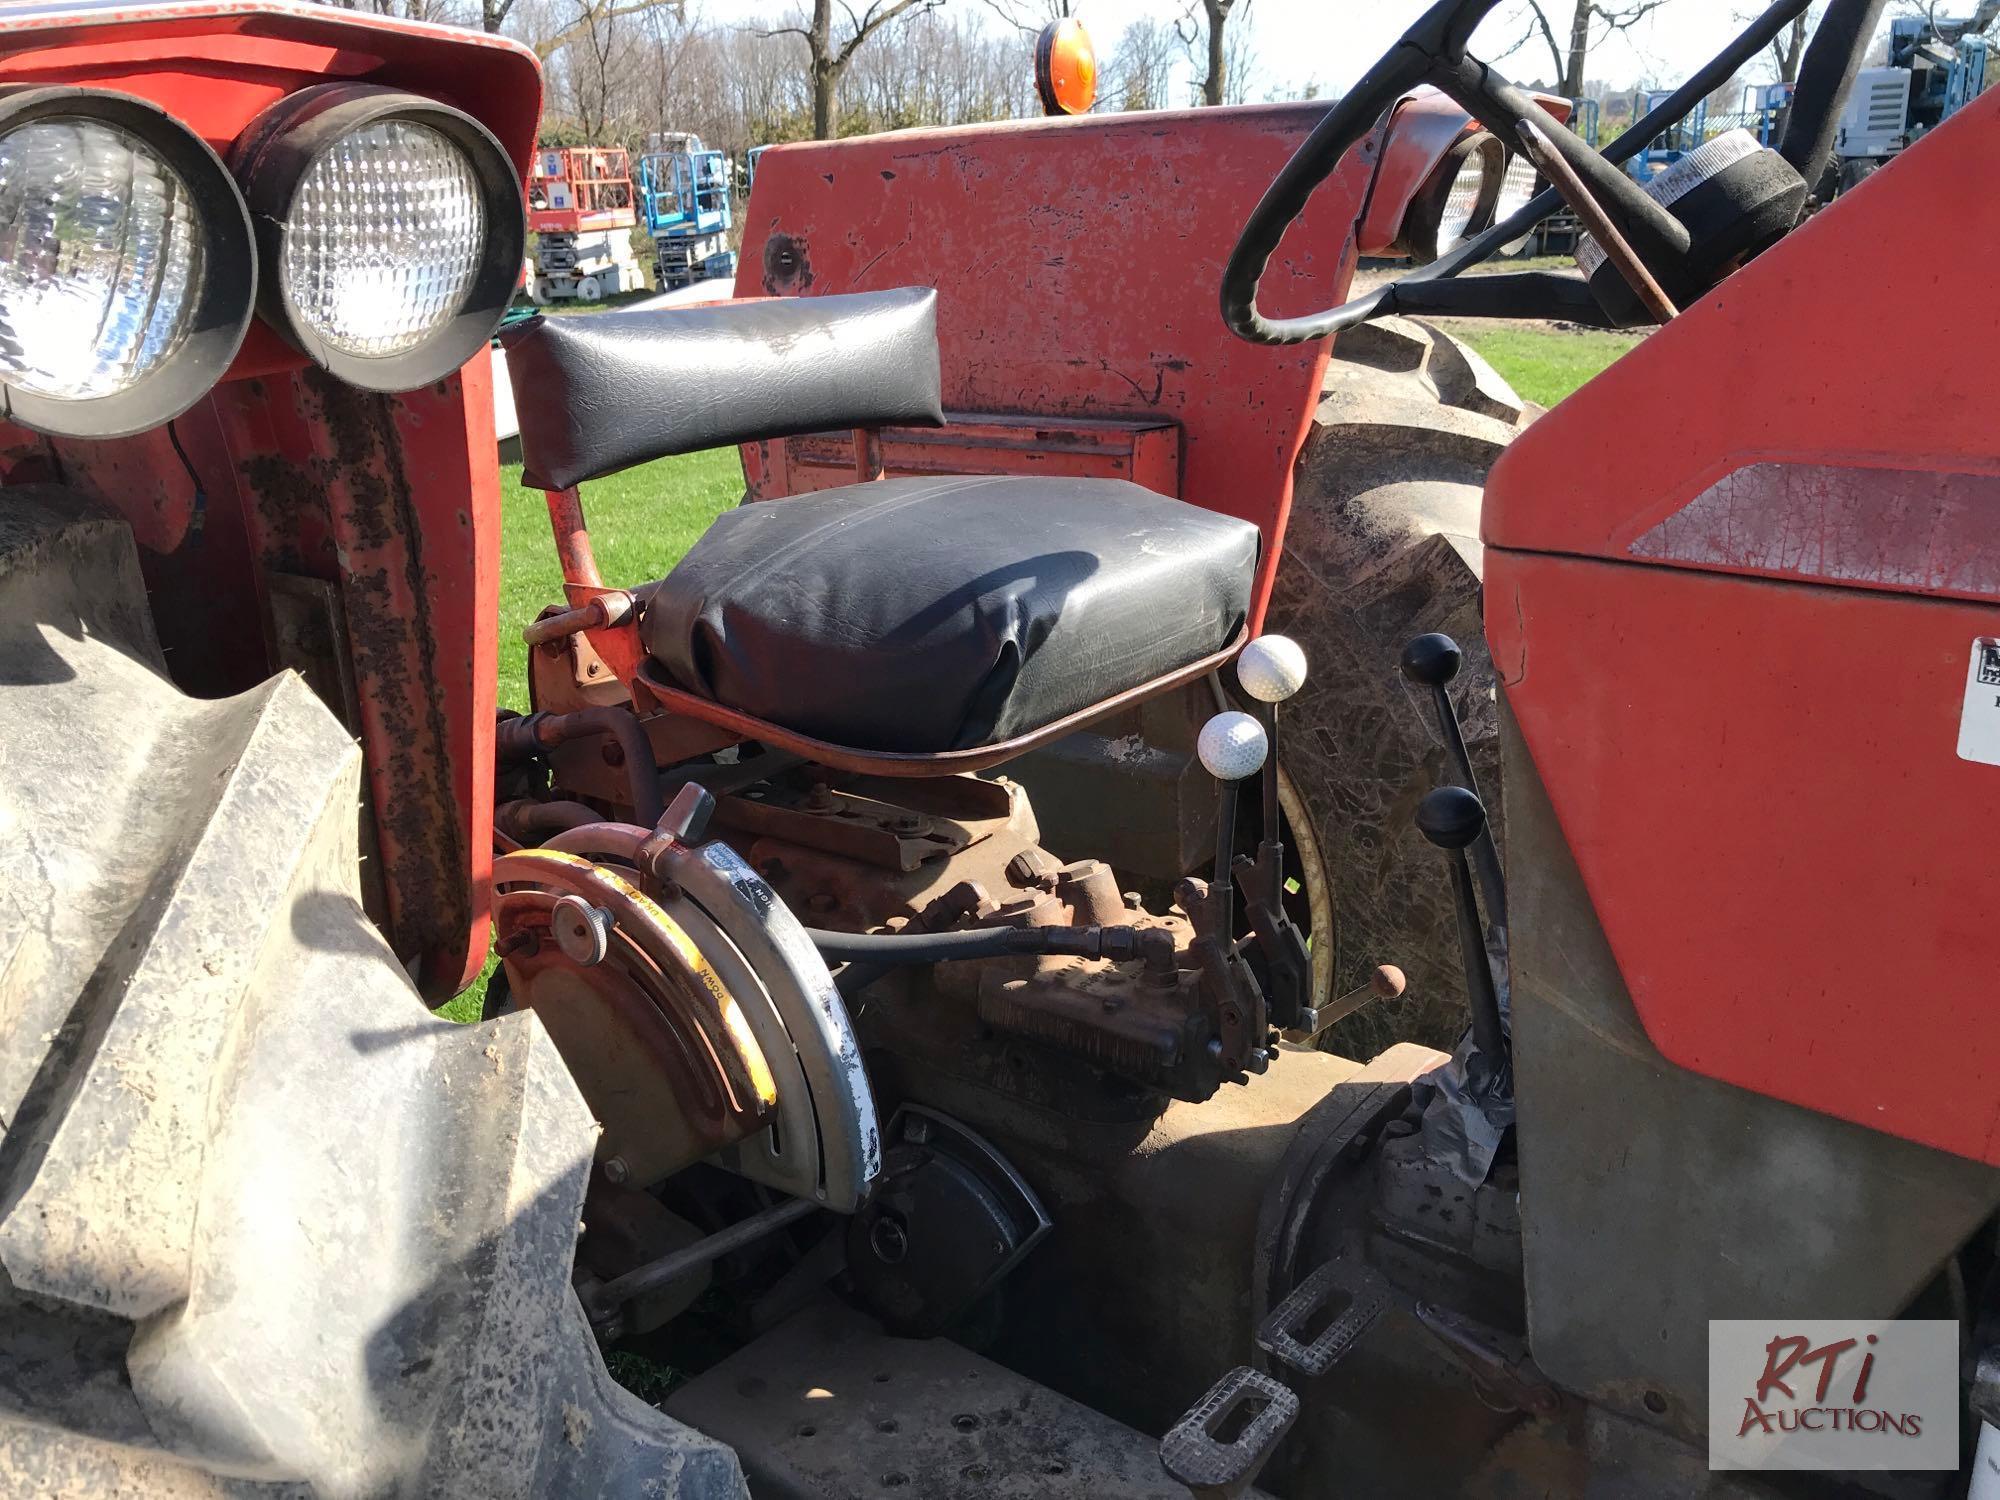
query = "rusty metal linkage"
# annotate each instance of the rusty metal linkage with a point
(612, 607)
(603, 1302)
(517, 738)
(1549, 162)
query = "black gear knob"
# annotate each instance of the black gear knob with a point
(1432, 660)
(1450, 816)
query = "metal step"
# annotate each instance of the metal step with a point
(1355, 1295)
(826, 1404)
(1215, 1467)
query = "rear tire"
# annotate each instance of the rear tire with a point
(266, 1225)
(1382, 545)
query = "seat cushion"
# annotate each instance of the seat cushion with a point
(931, 614)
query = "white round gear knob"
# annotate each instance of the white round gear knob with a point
(1232, 746)
(1271, 668)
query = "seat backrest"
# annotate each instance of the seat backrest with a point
(600, 393)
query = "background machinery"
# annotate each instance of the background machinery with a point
(923, 916)
(1670, 145)
(1934, 69)
(581, 210)
(685, 198)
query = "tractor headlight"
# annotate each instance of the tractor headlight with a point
(1456, 200)
(126, 270)
(1517, 188)
(391, 227)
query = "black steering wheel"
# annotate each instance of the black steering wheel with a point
(1433, 51)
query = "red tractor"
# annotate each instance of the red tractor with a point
(921, 916)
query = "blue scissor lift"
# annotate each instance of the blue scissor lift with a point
(684, 193)
(1671, 144)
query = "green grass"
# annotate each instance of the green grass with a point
(641, 523)
(1545, 365)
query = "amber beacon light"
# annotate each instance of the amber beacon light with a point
(1065, 68)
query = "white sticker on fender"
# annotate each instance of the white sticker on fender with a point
(1979, 723)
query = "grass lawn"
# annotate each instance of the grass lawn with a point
(641, 522)
(1545, 365)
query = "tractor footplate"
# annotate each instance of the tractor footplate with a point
(1257, 1409)
(1354, 1294)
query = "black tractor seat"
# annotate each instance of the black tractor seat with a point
(927, 615)
(941, 622)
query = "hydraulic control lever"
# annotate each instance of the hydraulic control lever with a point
(1271, 669)
(1232, 747)
(1453, 819)
(1431, 662)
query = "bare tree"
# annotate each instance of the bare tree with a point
(827, 60)
(1789, 45)
(592, 18)
(935, 67)
(1570, 39)
(1029, 16)
(1239, 64)
(1139, 72)
(1211, 27)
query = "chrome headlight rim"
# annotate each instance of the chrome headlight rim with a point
(1424, 218)
(225, 295)
(272, 159)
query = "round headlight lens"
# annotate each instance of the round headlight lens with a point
(1455, 200)
(1517, 187)
(385, 238)
(100, 258)
(1461, 203)
(396, 227)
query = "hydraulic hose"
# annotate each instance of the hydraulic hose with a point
(516, 738)
(892, 948)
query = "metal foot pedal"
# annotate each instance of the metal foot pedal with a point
(1218, 1447)
(1324, 1317)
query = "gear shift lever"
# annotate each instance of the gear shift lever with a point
(1431, 661)
(1271, 669)
(1452, 819)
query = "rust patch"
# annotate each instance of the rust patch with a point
(394, 644)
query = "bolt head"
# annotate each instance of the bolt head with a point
(1271, 668)
(1232, 746)
(1450, 817)
(1432, 660)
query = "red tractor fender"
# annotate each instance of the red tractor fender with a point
(1737, 625)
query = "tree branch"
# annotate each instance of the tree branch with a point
(1626, 19)
(594, 14)
(1557, 57)
(873, 21)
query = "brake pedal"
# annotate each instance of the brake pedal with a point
(1358, 1297)
(1253, 1409)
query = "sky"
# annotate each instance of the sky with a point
(1333, 41)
